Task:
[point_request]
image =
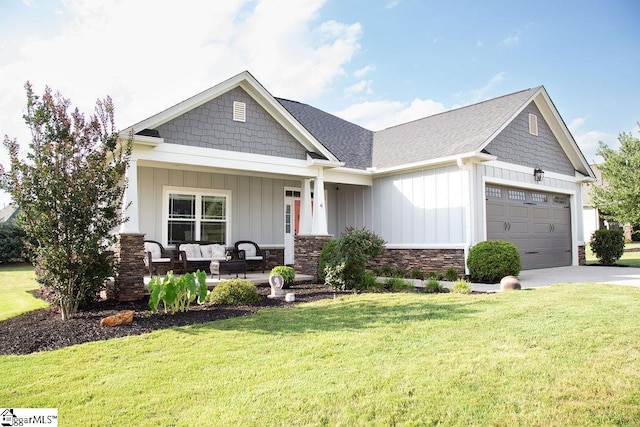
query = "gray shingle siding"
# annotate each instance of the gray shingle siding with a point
(211, 125)
(516, 145)
(347, 141)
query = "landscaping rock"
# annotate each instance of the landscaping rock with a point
(510, 283)
(125, 316)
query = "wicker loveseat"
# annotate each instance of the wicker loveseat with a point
(199, 254)
(157, 255)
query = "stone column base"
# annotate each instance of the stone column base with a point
(129, 257)
(306, 253)
(582, 255)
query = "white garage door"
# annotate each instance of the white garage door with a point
(538, 223)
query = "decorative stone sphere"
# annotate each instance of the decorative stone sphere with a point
(509, 283)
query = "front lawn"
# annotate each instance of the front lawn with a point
(16, 282)
(630, 258)
(564, 355)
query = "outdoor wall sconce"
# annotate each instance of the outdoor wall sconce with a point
(538, 174)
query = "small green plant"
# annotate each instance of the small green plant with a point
(386, 271)
(370, 281)
(491, 260)
(431, 275)
(177, 293)
(400, 272)
(234, 292)
(417, 273)
(327, 257)
(607, 245)
(333, 276)
(288, 274)
(461, 286)
(451, 274)
(398, 284)
(433, 286)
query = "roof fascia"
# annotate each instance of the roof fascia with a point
(473, 157)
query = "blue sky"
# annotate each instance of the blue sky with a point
(374, 62)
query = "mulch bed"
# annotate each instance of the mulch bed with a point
(44, 329)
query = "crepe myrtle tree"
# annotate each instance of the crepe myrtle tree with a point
(69, 188)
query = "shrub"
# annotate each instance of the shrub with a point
(353, 248)
(433, 286)
(288, 274)
(398, 284)
(461, 286)
(333, 276)
(491, 260)
(416, 273)
(431, 275)
(400, 272)
(12, 244)
(635, 236)
(177, 293)
(386, 271)
(234, 292)
(327, 257)
(607, 245)
(451, 274)
(370, 281)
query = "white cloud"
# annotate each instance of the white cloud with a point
(576, 124)
(377, 115)
(364, 71)
(392, 4)
(479, 43)
(476, 95)
(363, 86)
(510, 40)
(590, 141)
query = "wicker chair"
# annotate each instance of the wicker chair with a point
(251, 252)
(157, 255)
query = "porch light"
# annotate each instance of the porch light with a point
(538, 174)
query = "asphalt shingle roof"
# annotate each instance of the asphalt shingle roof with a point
(446, 134)
(347, 141)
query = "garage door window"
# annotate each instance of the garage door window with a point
(494, 192)
(561, 200)
(539, 198)
(517, 195)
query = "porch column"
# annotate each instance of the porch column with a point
(319, 206)
(130, 200)
(305, 208)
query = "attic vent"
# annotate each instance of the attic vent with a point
(533, 124)
(239, 111)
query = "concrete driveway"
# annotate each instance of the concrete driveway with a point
(575, 274)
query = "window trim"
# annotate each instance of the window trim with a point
(198, 193)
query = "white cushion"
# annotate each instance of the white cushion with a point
(192, 250)
(249, 250)
(253, 258)
(214, 251)
(154, 249)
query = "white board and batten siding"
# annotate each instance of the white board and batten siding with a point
(256, 202)
(421, 208)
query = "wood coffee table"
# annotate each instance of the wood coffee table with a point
(228, 267)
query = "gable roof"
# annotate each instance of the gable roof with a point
(145, 129)
(463, 130)
(349, 142)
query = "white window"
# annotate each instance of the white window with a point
(194, 214)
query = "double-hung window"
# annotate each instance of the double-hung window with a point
(192, 214)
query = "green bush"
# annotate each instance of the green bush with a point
(451, 274)
(417, 273)
(327, 257)
(491, 260)
(398, 284)
(370, 281)
(12, 244)
(433, 286)
(177, 292)
(635, 236)
(607, 245)
(400, 272)
(234, 292)
(387, 271)
(432, 275)
(353, 248)
(288, 274)
(461, 286)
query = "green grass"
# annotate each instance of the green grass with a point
(629, 259)
(565, 355)
(15, 283)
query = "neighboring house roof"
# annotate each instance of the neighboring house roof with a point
(463, 130)
(8, 213)
(349, 142)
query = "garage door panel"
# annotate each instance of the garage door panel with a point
(537, 225)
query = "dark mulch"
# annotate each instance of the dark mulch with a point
(44, 329)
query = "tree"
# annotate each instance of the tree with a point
(69, 190)
(618, 198)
